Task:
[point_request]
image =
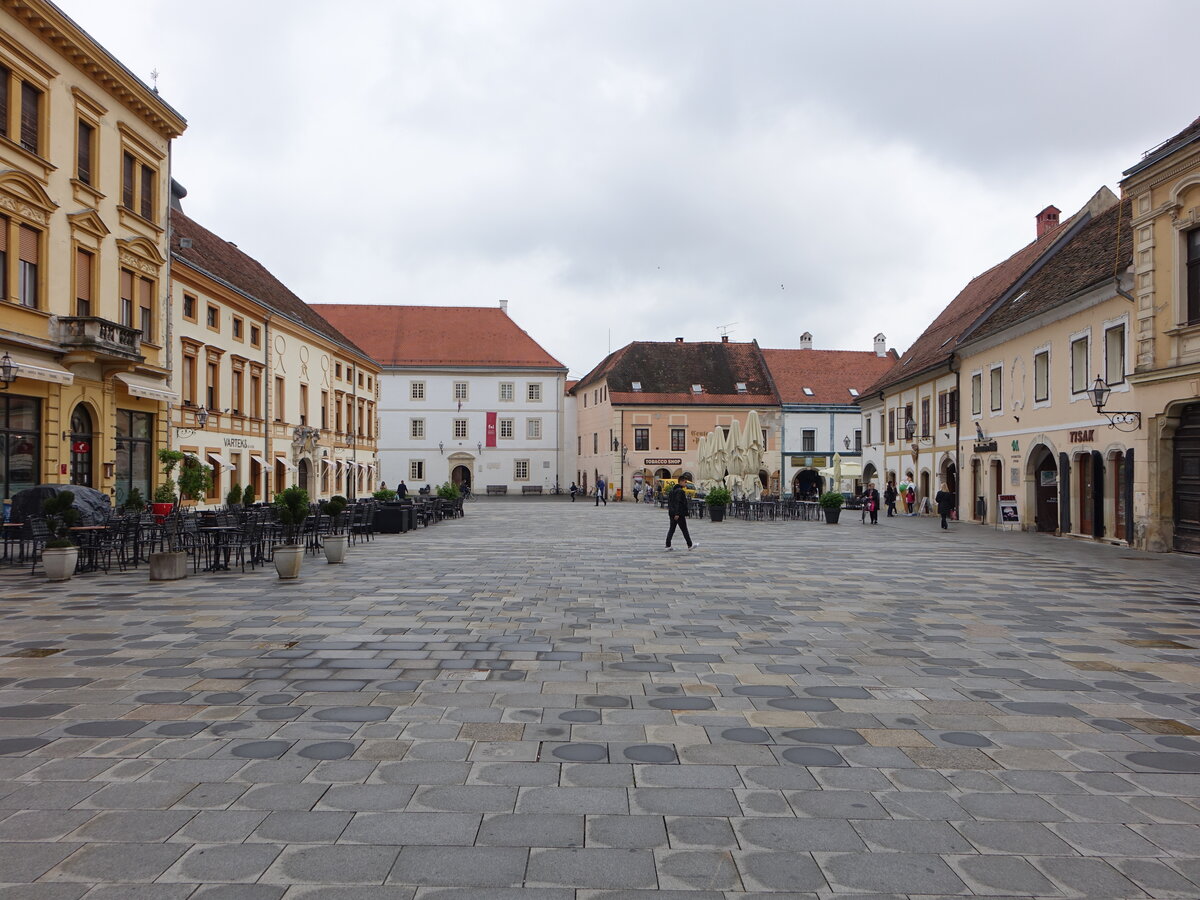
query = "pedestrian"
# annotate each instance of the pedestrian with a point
(871, 498)
(637, 489)
(574, 491)
(889, 497)
(601, 486)
(677, 509)
(910, 500)
(401, 490)
(945, 503)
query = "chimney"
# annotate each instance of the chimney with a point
(679, 340)
(880, 345)
(504, 307)
(724, 339)
(806, 341)
(1047, 220)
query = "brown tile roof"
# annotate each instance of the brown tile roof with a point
(829, 374)
(1100, 251)
(667, 370)
(438, 335)
(1166, 148)
(216, 257)
(936, 344)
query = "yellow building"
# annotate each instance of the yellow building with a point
(1164, 189)
(84, 170)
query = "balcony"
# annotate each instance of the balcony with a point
(99, 337)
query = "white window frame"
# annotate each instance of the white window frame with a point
(977, 399)
(533, 392)
(416, 470)
(462, 391)
(994, 408)
(533, 429)
(1081, 394)
(506, 428)
(804, 435)
(507, 392)
(1111, 325)
(1039, 353)
(462, 429)
(518, 465)
(416, 429)
(416, 390)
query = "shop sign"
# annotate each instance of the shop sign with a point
(1008, 509)
(80, 447)
(1083, 436)
(810, 462)
(662, 461)
(239, 443)
(985, 446)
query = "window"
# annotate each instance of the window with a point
(137, 186)
(416, 429)
(304, 404)
(278, 399)
(520, 470)
(533, 392)
(211, 385)
(506, 429)
(740, 386)
(237, 327)
(20, 443)
(125, 310)
(189, 307)
(595, 443)
(507, 392)
(1079, 365)
(1041, 376)
(236, 392)
(85, 151)
(416, 390)
(83, 282)
(255, 336)
(146, 308)
(29, 254)
(460, 429)
(256, 395)
(858, 439)
(678, 440)
(416, 470)
(1193, 277)
(324, 410)
(996, 376)
(337, 370)
(641, 439)
(637, 386)
(697, 389)
(533, 429)
(808, 440)
(189, 377)
(1114, 354)
(924, 417)
(867, 423)
(212, 318)
(460, 391)
(947, 407)
(977, 394)
(27, 118)
(891, 426)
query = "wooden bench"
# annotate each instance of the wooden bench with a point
(531, 489)
(497, 489)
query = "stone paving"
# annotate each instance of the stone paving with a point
(536, 702)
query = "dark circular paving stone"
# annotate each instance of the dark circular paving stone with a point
(164, 697)
(771, 651)
(9, 746)
(835, 670)
(1167, 762)
(746, 735)
(92, 636)
(1164, 699)
(330, 685)
(839, 691)
(353, 714)
(987, 695)
(607, 701)
(696, 657)
(803, 704)
(581, 752)
(1176, 742)
(33, 710)
(111, 728)
(813, 756)
(275, 699)
(965, 739)
(554, 731)
(234, 652)
(229, 728)
(682, 703)
(50, 683)
(327, 750)
(191, 673)
(261, 749)
(181, 729)
(991, 672)
(399, 687)
(785, 669)
(225, 698)
(846, 737)
(278, 713)
(906, 654)
(666, 689)
(904, 720)
(1038, 708)
(1111, 725)
(580, 715)
(764, 690)
(512, 676)
(642, 667)
(658, 754)
(1056, 684)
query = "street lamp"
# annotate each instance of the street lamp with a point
(1120, 420)
(8, 371)
(201, 417)
(910, 432)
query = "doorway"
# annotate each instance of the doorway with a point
(807, 484)
(1117, 483)
(81, 447)
(461, 476)
(305, 472)
(1045, 487)
(997, 488)
(1187, 480)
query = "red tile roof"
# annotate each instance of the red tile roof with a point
(217, 258)
(829, 374)
(438, 335)
(667, 370)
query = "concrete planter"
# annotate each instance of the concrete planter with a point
(60, 563)
(335, 547)
(288, 561)
(169, 565)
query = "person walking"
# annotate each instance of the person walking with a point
(945, 503)
(677, 509)
(601, 486)
(574, 491)
(889, 497)
(871, 498)
(910, 500)
(401, 490)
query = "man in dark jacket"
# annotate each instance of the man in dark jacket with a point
(945, 503)
(871, 502)
(889, 498)
(677, 509)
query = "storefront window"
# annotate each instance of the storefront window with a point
(135, 454)
(20, 443)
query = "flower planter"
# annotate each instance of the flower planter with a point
(288, 560)
(60, 562)
(161, 511)
(335, 547)
(168, 565)
(832, 515)
(716, 513)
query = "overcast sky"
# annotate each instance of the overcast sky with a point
(639, 170)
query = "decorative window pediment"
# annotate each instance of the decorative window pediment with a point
(89, 220)
(141, 254)
(24, 196)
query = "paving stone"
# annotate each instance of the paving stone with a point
(633, 832)
(1002, 874)
(23, 862)
(108, 863)
(696, 869)
(902, 873)
(531, 830)
(302, 827)
(684, 802)
(773, 872)
(773, 833)
(1086, 877)
(338, 864)
(223, 862)
(415, 828)
(592, 868)
(466, 866)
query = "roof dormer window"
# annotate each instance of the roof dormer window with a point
(697, 388)
(741, 387)
(853, 392)
(637, 385)
(808, 392)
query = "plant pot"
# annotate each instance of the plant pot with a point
(168, 565)
(161, 511)
(288, 560)
(60, 562)
(832, 515)
(335, 547)
(716, 513)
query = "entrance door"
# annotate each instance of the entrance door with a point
(461, 476)
(305, 470)
(1117, 464)
(81, 447)
(1087, 496)
(997, 488)
(1046, 493)
(1187, 481)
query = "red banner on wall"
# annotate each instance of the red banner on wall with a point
(491, 430)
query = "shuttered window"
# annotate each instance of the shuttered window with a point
(147, 208)
(31, 116)
(83, 161)
(28, 252)
(3, 258)
(128, 164)
(126, 316)
(5, 76)
(146, 308)
(83, 283)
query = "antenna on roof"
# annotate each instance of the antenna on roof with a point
(726, 329)
(154, 79)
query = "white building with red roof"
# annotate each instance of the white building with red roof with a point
(465, 395)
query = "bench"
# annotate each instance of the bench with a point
(531, 489)
(497, 489)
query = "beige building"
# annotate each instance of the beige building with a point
(84, 169)
(1164, 189)
(271, 395)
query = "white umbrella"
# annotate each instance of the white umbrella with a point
(752, 441)
(720, 456)
(737, 460)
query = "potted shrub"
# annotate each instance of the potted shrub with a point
(384, 495)
(134, 501)
(448, 490)
(60, 554)
(248, 497)
(291, 507)
(195, 479)
(164, 494)
(336, 541)
(717, 499)
(831, 502)
(234, 498)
